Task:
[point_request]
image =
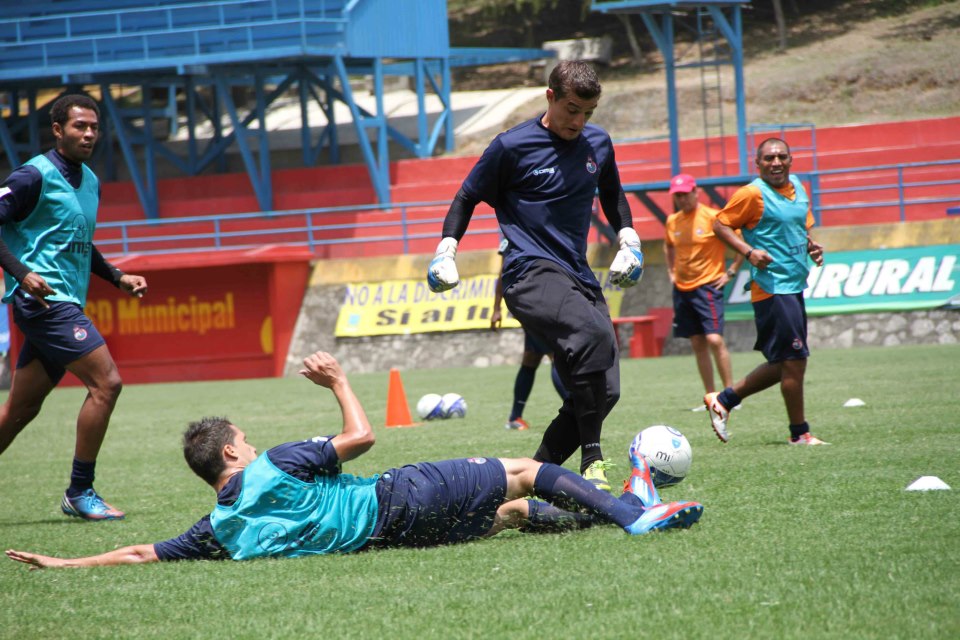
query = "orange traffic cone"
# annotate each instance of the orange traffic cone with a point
(398, 412)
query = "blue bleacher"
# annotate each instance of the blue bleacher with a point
(43, 40)
(189, 48)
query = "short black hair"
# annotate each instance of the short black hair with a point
(203, 443)
(60, 111)
(768, 141)
(575, 76)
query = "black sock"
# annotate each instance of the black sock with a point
(797, 430)
(589, 405)
(546, 518)
(521, 390)
(729, 399)
(81, 478)
(560, 439)
(565, 489)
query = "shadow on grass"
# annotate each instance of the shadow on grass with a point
(62, 521)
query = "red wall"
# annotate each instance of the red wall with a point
(204, 317)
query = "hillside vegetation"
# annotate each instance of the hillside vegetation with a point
(856, 62)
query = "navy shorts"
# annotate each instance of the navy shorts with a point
(530, 343)
(569, 318)
(781, 327)
(697, 312)
(433, 503)
(56, 336)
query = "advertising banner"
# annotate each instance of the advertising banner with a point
(903, 279)
(402, 307)
(211, 322)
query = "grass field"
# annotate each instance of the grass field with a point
(811, 543)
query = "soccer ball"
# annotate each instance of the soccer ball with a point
(667, 451)
(429, 407)
(453, 405)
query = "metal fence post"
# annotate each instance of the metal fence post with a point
(900, 192)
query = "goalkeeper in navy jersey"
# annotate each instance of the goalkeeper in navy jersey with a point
(541, 178)
(293, 501)
(48, 213)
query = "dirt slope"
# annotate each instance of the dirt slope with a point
(842, 67)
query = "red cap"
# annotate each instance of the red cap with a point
(682, 183)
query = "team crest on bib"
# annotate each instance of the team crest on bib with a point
(591, 165)
(797, 344)
(79, 334)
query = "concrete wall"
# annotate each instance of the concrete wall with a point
(318, 315)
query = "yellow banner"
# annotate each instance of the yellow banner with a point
(400, 307)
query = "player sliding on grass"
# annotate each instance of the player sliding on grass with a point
(293, 501)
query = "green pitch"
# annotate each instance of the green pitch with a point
(794, 543)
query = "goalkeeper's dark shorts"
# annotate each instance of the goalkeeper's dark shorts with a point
(569, 318)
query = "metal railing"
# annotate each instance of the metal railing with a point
(316, 228)
(892, 179)
(305, 228)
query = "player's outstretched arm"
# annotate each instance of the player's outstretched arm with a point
(356, 437)
(137, 554)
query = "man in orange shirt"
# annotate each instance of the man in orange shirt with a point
(774, 214)
(695, 262)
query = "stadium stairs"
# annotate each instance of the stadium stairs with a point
(861, 147)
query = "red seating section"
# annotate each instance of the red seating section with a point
(438, 179)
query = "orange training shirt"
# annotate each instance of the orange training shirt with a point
(698, 252)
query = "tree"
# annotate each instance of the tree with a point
(781, 25)
(635, 50)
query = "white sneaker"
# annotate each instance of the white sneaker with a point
(718, 416)
(807, 439)
(699, 408)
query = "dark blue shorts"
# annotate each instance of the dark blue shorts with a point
(433, 503)
(56, 336)
(781, 327)
(697, 312)
(530, 343)
(569, 318)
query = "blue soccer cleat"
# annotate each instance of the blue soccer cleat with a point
(89, 506)
(640, 482)
(666, 516)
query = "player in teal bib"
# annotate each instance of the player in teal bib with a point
(56, 239)
(48, 213)
(278, 514)
(782, 231)
(293, 501)
(773, 213)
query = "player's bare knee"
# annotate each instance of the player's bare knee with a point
(108, 388)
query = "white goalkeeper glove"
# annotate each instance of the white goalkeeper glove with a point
(442, 273)
(627, 266)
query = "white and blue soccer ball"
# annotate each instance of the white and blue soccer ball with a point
(453, 405)
(667, 451)
(429, 407)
